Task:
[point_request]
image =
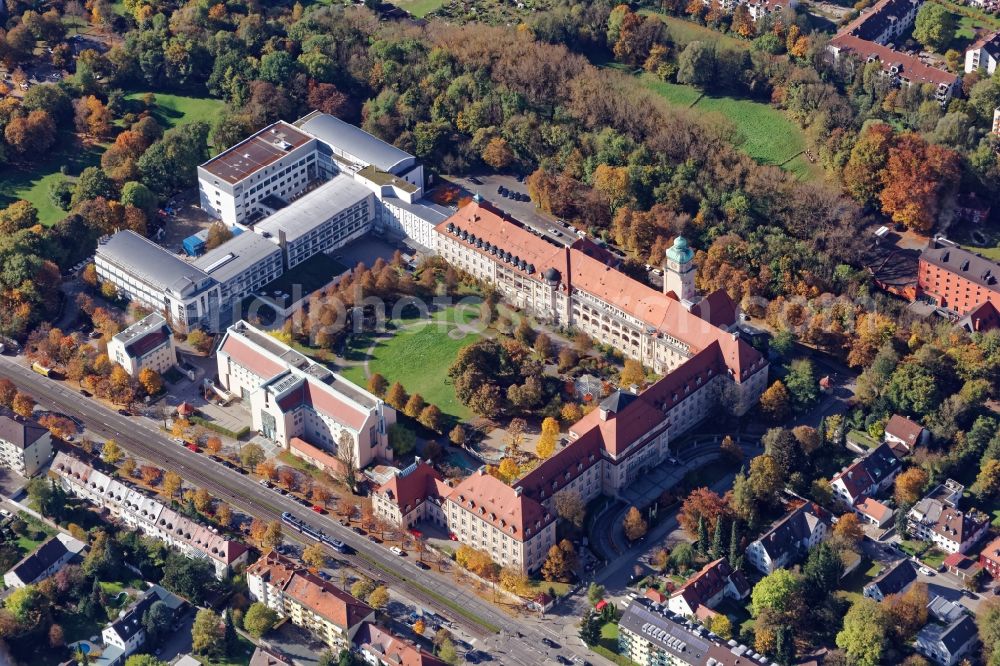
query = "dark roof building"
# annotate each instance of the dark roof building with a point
(892, 580)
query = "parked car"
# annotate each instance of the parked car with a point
(925, 571)
(318, 509)
(422, 565)
(374, 539)
(85, 393)
(548, 642)
(124, 412)
(396, 550)
(358, 530)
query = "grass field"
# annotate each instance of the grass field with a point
(418, 8)
(32, 182)
(768, 135)
(418, 356)
(684, 32)
(174, 110)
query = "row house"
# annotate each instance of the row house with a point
(308, 601)
(149, 516)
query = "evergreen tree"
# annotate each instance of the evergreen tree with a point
(590, 629)
(821, 430)
(784, 645)
(717, 540)
(702, 544)
(229, 638)
(735, 556)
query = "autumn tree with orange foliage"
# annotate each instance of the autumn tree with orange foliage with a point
(702, 503)
(918, 176)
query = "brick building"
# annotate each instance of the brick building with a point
(956, 279)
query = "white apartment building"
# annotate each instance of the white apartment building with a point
(25, 446)
(149, 515)
(308, 601)
(126, 634)
(325, 219)
(148, 343)
(947, 527)
(299, 403)
(146, 273)
(278, 161)
(983, 54)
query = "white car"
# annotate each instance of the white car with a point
(5, 513)
(925, 571)
(396, 550)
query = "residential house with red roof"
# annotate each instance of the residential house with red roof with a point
(148, 343)
(292, 591)
(904, 435)
(380, 647)
(867, 476)
(989, 558)
(300, 403)
(716, 581)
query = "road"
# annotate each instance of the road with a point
(520, 639)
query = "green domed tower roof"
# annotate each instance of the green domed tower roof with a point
(680, 252)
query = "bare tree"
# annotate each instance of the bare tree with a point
(345, 453)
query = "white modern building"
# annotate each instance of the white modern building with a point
(983, 54)
(301, 189)
(148, 343)
(25, 446)
(299, 403)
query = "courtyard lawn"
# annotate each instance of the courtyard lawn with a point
(32, 182)
(418, 356)
(852, 585)
(418, 8)
(173, 110)
(241, 654)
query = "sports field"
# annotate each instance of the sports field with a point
(418, 355)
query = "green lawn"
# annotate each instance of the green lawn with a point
(418, 356)
(240, 655)
(851, 586)
(174, 110)
(684, 32)
(77, 626)
(418, 8)
(766, 134)
(31, 182)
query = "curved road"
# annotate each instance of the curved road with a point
(521, 639)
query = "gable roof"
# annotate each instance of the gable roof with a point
(905, 429)
(508, 509)
(489, 234)
(316, 594)
(391, 649)
(19, 431)
(263, 657)
(895, 578)
(34, 564)
(961, 262)
(789, 532)
(874, 509)
(710, 581)
(982, 318)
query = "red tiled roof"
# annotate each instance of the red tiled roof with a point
(561, 468)
(991, 552)
(873, 508)
(492, 500)
(311, 591)
(709, 582)
(392, 649)
(717, 308)
(580, 271)
(982, 318)
(904, 429)
(409, 490)
(312, 393)
(249, 358)
(911, 67)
